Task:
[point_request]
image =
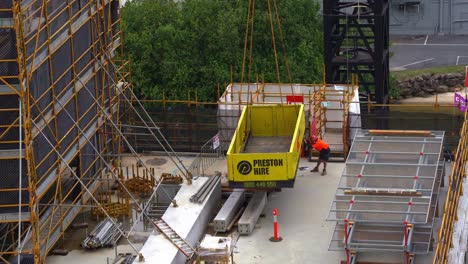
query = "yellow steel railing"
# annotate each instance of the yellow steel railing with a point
(453, 194)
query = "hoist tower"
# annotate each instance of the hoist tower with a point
(356, 41)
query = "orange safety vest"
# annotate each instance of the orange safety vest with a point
(319, 145)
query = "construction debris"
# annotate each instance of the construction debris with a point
(127, 258)
(167, 178)
(215, 249)
(206, 188)
(105, 234)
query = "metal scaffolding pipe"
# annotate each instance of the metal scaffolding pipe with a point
(109, 167)
(184, 170)
(83, 185)
(20, 186)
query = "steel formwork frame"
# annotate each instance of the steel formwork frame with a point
(356, 41)
(48, 54)
(408, 172)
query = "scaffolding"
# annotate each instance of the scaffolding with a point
(455, 186)
(47, 59)
(386, 199)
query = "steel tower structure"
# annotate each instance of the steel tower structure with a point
(356, 41)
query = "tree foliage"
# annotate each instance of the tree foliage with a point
(187, 46)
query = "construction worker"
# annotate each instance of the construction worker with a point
(324, 150)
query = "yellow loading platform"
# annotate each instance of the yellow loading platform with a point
(266, 146)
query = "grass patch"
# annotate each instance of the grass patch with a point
(401, 75)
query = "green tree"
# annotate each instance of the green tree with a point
(182, 46)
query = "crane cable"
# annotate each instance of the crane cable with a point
(243, 58)
(249, 20)
(274, 49)
(284, 47)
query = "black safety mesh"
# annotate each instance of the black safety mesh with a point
(6, 4)
(6, 119)
(67, 130)
(24, 259)
(57, 15)
(88, 155)
(81, 44)
(9, 180)
(87, 110)
(61, 68)
(41, 148)
(186, 128)
(35, 44)
(115, 16)
(8, 52)
(51, 80)
(40, 82)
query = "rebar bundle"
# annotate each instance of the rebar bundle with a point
(105, 234)
(206, 188)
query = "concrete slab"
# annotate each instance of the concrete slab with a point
(188, 220)
(301, 219)
(301, 215)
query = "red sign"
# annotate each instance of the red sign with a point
(466, 76)
(294, 99)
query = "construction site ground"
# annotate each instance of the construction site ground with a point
(302, 213)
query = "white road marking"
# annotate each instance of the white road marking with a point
(435, 44)
(427, 37)
(458, 58)
(413, 63)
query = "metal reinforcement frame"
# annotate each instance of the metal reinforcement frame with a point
(53, 54)
(386, 199)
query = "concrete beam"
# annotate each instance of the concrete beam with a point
(229, 210)
(251, 214)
